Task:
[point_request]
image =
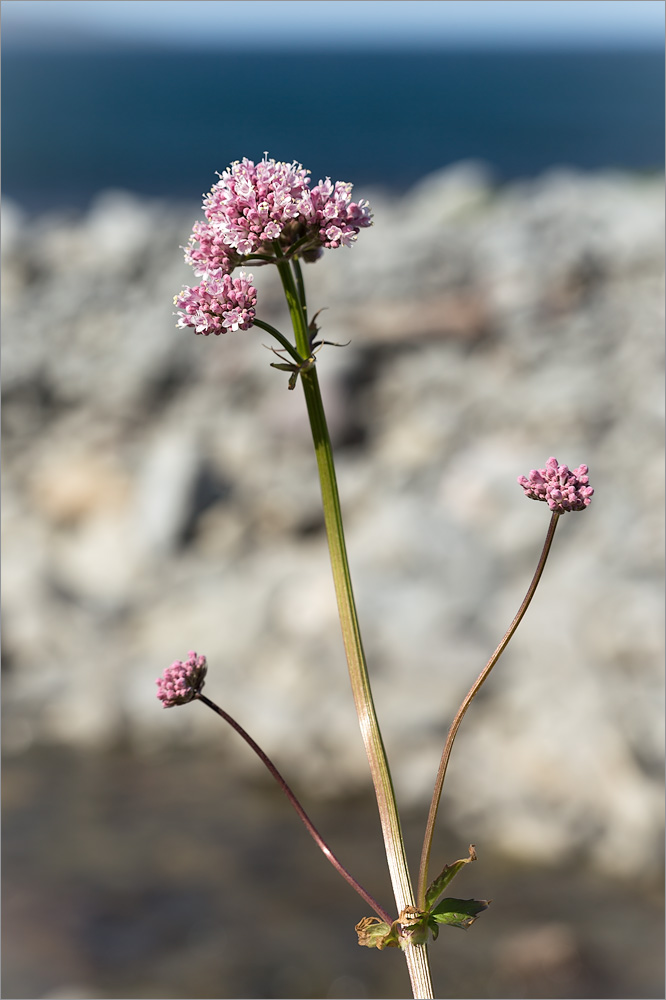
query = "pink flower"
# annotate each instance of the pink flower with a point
(212, 254)
(253, 205)
(181, 682)
(337, 216)
(562, 489)
(218, 304)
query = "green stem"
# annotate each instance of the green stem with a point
(288, 346)
(296, 310)
(352, 641)
(301, 286)
(358, 672)
(416, 955)
(258, 258)
(471, 694)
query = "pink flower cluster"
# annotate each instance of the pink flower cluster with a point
(181, 682)
(562, 489)
(218, 304)
(252, 207)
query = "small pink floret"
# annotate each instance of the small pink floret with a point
(182, 681)
(218, 304)
(562, 489)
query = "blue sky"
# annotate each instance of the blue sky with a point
(340, 23)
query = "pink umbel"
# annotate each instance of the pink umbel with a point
(212, 255)
(253, 205)
(267, 208)
(182, 681)
(218, 304)
(562, 489)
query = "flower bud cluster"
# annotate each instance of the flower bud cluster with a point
(250, 209)
(562, 489)
(182, 681)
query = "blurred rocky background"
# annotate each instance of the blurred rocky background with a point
(160, 495)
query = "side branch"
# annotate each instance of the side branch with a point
(309, 825)
(473, 691)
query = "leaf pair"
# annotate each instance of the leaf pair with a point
(295, 370)
(412, 925)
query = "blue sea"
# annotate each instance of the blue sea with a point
(163, 122)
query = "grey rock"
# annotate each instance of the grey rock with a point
(160, 494)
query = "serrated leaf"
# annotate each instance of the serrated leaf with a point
(438, 885)
(457, 912)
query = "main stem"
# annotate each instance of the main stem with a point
(471, 694)
(416, 955)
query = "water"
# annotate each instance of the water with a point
(163, 122)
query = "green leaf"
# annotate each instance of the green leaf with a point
(457, 912)
(437, 887)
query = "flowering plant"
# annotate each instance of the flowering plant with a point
(268, 213)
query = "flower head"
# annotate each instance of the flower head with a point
(182, 681)
(338, 218)
(562, 489)
(213, 255)
(218, 304)
(254, 205)
(250, 209)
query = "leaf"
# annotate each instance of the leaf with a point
(375, 933)
(457, 912)
(437, 887)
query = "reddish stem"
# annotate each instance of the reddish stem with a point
(309, 825)
(455, 725)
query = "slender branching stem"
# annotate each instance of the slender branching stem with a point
(416, 955)
(309, 825)
(473, 691)
(296, 309)
(258, 258)
(287, 345)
